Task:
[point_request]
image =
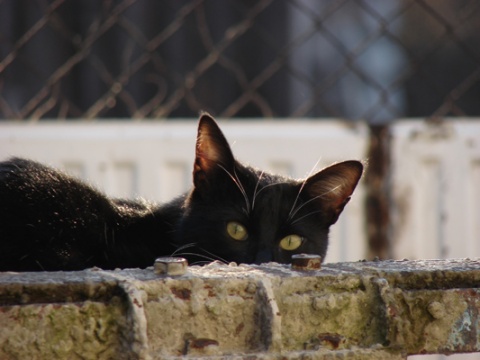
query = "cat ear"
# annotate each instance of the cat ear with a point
(212, 150)
(332, 187)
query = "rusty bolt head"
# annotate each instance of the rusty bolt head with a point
(170, 266)
(306, 262)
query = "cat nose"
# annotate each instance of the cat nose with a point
(263, 256)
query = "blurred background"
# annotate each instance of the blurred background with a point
(108, 90)
(358, 60)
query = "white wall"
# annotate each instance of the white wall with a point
(435, 170)
(436, 184)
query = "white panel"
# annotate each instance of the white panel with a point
(429, 189)
(123, 180)
(472, 210)
(75, 168)
(436, 182)
(281, 167)
(177, 177)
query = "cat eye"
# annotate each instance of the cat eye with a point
(237, 231)
(291, 242)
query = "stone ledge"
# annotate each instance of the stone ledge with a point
(362, 310)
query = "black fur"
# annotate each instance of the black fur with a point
(51, 221)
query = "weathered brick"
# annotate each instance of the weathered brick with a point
(363, 310)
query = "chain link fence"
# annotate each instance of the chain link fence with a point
(368, 60)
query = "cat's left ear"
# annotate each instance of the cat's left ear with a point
(212, 150)
(332, 187)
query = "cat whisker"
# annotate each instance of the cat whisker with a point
(219, 258)
(240, 187)
(183, 247)
(105, 234)
(290, 216)
(201, 262)
(39, 265)
(304, 216)
(292, 210)
(210, 257)
(269, 185)
(110, 241)
(255, 190)
(314, 168)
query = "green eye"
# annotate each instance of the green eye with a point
(291, 242)
(237, 231)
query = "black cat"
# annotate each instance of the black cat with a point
(51, 221)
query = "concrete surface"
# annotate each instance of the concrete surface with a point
(361, 310)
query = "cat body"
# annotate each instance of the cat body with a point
(52, 221)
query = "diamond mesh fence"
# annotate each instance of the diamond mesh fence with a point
(367, 60)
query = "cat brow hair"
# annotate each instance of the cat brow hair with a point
(304, 216)
(292, 210)
(290, 215)
(255, 190)
(239, 185)
(265, 187)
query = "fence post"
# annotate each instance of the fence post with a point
(377, 187)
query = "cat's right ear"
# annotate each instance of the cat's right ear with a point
(212, 151)
(332, 187)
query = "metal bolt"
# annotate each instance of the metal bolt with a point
(306, 262)
(170, 266)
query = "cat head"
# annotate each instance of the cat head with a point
(238, 213)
